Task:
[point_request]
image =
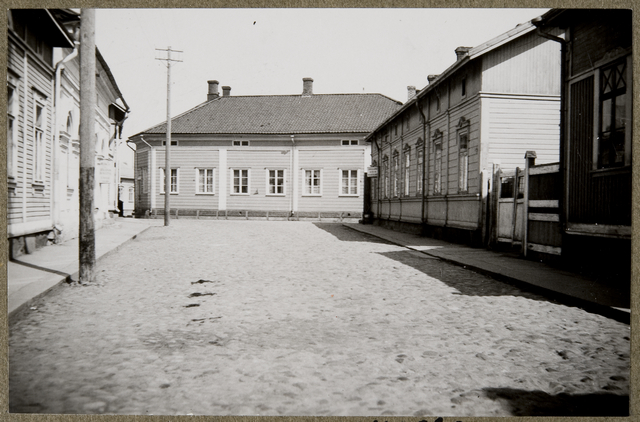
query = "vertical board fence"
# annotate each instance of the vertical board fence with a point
(543, 192)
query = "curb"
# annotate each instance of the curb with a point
(563, 298)
(68, 279)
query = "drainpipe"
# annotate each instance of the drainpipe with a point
(56, 131)
(400, 194)
(424, 159)
(375, 139)
(293, 146)
(563, 91)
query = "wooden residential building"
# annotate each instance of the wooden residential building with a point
(111, 111)
(436, 156)
(272, 156)
(596, 147)
(32, 36)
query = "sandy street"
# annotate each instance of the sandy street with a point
(302, 318)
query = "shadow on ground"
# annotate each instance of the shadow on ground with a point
(539, 403)
(466, 282)
(346, 234)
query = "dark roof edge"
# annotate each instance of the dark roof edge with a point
(112, 79)
(255, 96)
(175, 117)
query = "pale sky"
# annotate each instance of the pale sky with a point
(269, 51)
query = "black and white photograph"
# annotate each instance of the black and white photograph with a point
(422, 213)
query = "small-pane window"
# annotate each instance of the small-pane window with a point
(349, 182)
(205, 181)
(312, 182)
(613, 116)
(276, 182)
(241, 181)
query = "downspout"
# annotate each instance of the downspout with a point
(293, 146)
(375, 139)
(400, 194)
(563, 92)
(56, 131)
(424, 161)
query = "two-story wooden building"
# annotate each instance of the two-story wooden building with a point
(43, 143)
(271, 156)
(32, 36)
(596, 147)
(437, 154)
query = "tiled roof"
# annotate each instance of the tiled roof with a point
(284, 114)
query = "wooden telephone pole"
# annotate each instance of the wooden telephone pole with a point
(167, 150)
(87, 238)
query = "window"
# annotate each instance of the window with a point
(240, 143)
(437, 188)
(385, 175)
(240, 180)
(395, 169)
(613, 149)
(349, 142)
(463, 154)
(407, 164)
(276, 182)
(349, 182)
(38, 143)
(131, 193)
(11, 147)
(174, 143)
(312, 182)
(419, 170)
(205, 182)
(463, 170)
(437, 161)
(174, 180)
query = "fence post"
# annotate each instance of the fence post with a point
(496, 185)
(530, 157)
(514, 218)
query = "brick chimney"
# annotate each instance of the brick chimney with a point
(432, 78)
(307, 87)
(411, 92)
(213, 90)
(461, 52)
(226, 91)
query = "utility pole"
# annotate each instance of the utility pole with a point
(167, 149)
(87, 239)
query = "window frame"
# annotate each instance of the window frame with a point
(163, 180)
(406, 173)
(349, 142)
(395, 170)
(437, 162)
(463, 132)
(613, 62)
(268, 184)
(349, 185)
(12, 148)
(132, 195)
(310, 186)
(240, 143)
(199, 185)
(39, 147)
(419, 167)
(232, 181)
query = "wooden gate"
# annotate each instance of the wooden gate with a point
(510, 207)
(543, 192)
